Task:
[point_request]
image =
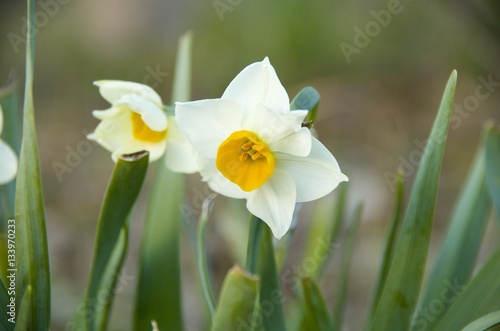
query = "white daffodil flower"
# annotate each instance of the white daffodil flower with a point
(136, 121)
(8, 159)
(252, 146)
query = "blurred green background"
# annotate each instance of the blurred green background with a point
(376, 103)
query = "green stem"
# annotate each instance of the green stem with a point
(261, 261)
(202, 255)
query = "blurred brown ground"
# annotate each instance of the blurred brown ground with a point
(372, 111)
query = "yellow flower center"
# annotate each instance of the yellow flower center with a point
(245, 160)
(142, 132)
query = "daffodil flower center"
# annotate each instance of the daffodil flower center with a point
(245, 160)
(141, 131)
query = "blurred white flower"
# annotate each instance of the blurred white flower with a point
(252, 146)
(8, 159)
(136, 121)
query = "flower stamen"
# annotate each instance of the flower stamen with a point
(245, 160)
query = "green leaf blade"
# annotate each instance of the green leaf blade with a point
(317, 313)
(159, 288)
(112, 237)
(238, 303)
(392, 235)
(307, 99)
(458, 253)
(260, 261)
(400, 293)
(484, 322)
(479, 298)
(31, 238)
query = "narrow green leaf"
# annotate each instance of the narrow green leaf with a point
(389, 244)
(5, 302)
(318, 315)
(484, 322)
(493, 164)
(25, 311)
(260, 261)
(400, 292)
(159, 291)
(307, 99)
(31, 238)
(238, 307)
(458, 253)
(202, 255)
(159, 287)
(112, 236)
(479, 298)
(343, 282)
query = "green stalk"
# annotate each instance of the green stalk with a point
(202, 255)
(260, 261)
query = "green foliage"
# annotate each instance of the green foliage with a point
(159, 289)
(31, 239)
(402, 285)
(238, 303)
(480, 297)
(307, 99)
(389, 244)
(484, 322)
(260, 261)
(112, 237)
(457, 257)
(202, 256)
(316, 313)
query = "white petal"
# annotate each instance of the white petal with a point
(274, 202)
(258, 84)
(298, 143)
(207, 123)
(217, 182)
(315, 175)
(102, 114)
(113, 90)
(8, 163)
(151, 114)
(180, 155)
(131, 146)
(114, 129)
(271, 126)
